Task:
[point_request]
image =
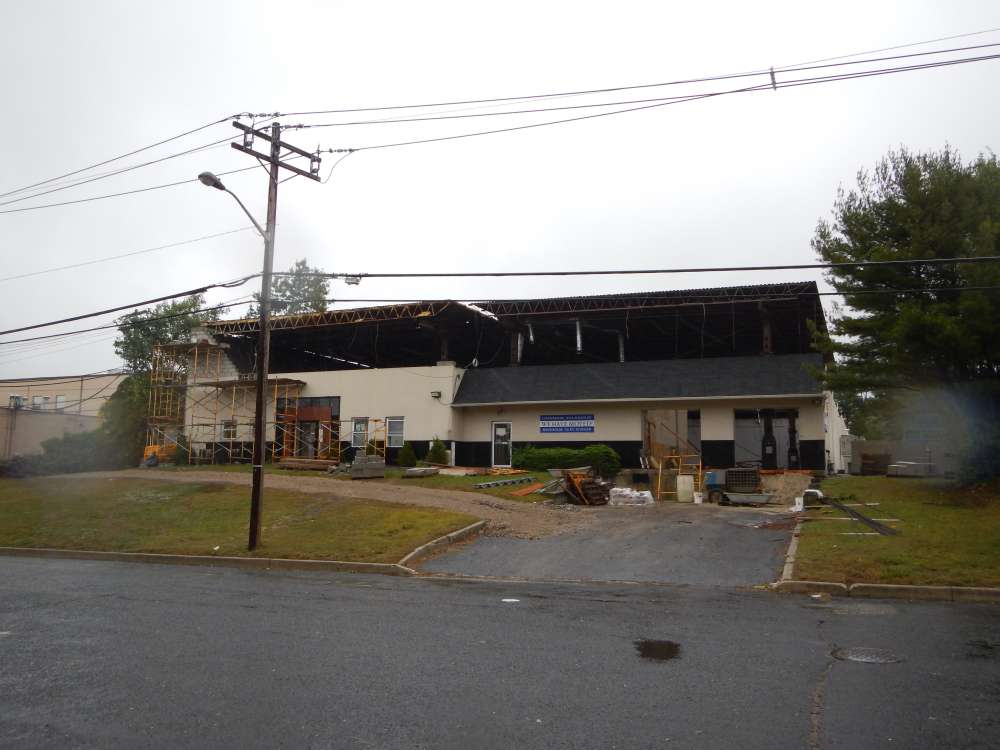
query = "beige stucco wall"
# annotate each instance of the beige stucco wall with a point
(392, 392)
(23, 430)
(81, 394)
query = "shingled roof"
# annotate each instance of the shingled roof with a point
(767, 375)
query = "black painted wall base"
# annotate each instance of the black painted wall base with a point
(479, 453)
(812, 454)
(718, 454)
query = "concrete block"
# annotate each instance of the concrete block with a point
(421, 471)
(900, 591)
(811, 587)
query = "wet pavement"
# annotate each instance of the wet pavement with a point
(100, 654)
(700, 545)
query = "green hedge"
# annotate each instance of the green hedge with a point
(604, 459)
(406, 456)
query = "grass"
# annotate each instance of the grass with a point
(394, 475)
(949, 536)
(138, 515)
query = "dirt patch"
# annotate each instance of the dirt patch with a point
(504, 517)
(786, 487)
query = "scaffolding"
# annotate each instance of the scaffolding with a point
(202, 411)
(676, 465)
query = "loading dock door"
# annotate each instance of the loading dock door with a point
(748, 433)
(501, 444)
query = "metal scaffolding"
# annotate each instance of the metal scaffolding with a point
(197, 415)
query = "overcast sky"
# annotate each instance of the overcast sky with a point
(738, 179)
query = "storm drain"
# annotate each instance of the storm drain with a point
(865, 655)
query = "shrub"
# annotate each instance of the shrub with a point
(437, 454)
(83, 451)
(603, 458)
(406, 456)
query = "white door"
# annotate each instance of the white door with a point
(501, 444)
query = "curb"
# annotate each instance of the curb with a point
(455, 536)
(891, 591)
(811, 587)
(247, 563)
(793, 546)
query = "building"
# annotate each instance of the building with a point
(70, 394)
(33, 410)
(727, 373)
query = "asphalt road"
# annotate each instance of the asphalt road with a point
(96, 654)
(700, 545)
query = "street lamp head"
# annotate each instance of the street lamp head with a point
(207, 178)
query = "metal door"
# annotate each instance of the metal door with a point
(501, 444)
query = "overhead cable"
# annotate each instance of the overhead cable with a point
(122, 156)
(965, 259)
(124, 255)
(188, 293)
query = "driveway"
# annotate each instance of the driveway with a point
(698, 545)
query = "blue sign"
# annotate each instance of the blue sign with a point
(566, 423)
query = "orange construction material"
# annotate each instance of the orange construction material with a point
(528, 489)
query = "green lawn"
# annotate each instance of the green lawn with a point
(136, 515)
(394, 475)
(949, 536)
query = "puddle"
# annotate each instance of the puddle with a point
(658, 650)
(865, 655)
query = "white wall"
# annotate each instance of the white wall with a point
(835, 427)
(392, 392)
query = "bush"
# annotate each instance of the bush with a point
(437, 454)
(406, 456)
(83, 451)
(603, 458)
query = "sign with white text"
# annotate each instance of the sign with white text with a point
(566, 423)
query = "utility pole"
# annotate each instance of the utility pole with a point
(264, 337)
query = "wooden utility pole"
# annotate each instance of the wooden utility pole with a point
(264, 336)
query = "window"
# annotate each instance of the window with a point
(36, 402)
(60, 403)
(229, 429)
(359, 438)
(394, 431)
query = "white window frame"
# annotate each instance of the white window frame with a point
(60, 402)
(37, 402)
(229, 429)
(394, 439)
(359, 439)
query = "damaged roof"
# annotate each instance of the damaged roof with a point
(766, 375)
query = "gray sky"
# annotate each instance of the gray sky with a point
(739, 179)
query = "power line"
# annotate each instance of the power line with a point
(482, 301)
(611, 89)
(188, 293)
(651, 271)
(661, 296)
(693, 97)
(124, 255)
(45, 381)
(764, 86)
(106, 175)
(136, 324)
(122, 156)
(118, 195)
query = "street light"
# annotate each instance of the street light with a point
(210, 180)
(264, 341)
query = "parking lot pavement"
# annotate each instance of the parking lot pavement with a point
(701, 545)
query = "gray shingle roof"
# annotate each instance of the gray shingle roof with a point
(772, 375)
